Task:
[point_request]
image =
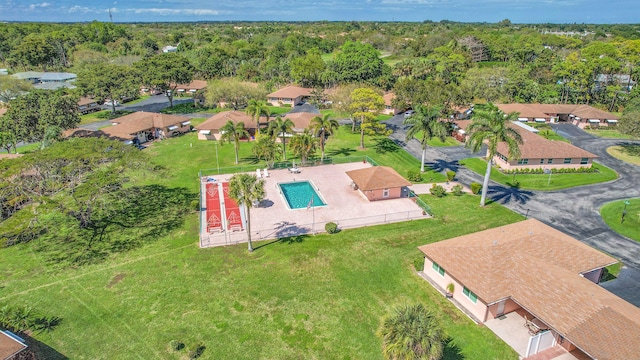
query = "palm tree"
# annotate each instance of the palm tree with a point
(281, 127)
(425, 125)
(490, 124)
(257, 108)
(234, 132)
(412, 332)
(323, 126)
(266, 148)
(304, 145)
(246, 189)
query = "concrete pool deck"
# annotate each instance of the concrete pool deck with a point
(346, 207)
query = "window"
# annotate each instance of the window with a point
(584, 161)
(541, 161)
(567, 160)
(549, 161)
(438, 268)
(385, 193)
(473, 297)
(523, 161)
(502, 157)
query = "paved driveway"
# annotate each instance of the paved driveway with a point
(573, 211)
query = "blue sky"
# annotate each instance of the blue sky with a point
(518, 11)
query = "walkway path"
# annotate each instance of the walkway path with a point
(573, 211)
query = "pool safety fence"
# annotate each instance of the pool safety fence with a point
(285, 165)
(288, 229)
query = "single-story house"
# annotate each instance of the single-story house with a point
(301, 120)
(536, 152)
(10, 345)
(290, 95)
(210, 128)
(48, 80)
(379, 183)
(169, 48)
(388, 106)
(579, 115)
(625, 81)
(144, 126)
(87, 105)
(543, 279)
(191, 88)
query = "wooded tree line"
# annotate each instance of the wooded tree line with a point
(427, 63)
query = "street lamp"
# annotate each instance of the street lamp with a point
(624, 211)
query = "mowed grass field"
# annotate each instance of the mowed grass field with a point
(317, 297)
(313, 297)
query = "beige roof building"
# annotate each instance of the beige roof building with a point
(301, 120)
(377, 177)
(128, 126)
(545, 273)
(535, 146)
(10, 346)
(218, 120)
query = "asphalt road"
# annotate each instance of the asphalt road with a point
(574, 211)
(153, 104)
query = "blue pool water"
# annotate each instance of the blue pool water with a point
(298, 194)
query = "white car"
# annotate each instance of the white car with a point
(408, 113)
(111, 103)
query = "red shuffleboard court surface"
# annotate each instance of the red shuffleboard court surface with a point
(214, 212)
(232, 210)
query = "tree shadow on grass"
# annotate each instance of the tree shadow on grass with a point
(250, 159)
(124, 220)
(342, 151)
(441, 165)
(451, 351)
(385, 145)
(504, 195)
(288, 233)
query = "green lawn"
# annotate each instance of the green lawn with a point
(542, 181)
(610, 133)
(612, 214)
(325, 296)
(627, 153)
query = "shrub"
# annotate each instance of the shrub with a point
(451, 175)
(414, 176)
(437, 190)
(176, 345)
(195, 205)
(197, 352)
(331, 228)
(475, 187)
(457, 190)
(418, 263)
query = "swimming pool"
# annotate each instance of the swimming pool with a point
(298, 195)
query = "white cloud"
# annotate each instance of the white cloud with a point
(79, 9)
(160, 11)
(40, 5)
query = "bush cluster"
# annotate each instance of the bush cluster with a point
(457, 190)
(331, 228)
(580, 170)
(414, 176)
(437, 190)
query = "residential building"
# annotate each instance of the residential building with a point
(535, 287)
(379, 183)
(87, 105)
(290, 95)
(141, 126)
(536, 152)
(210, 129)
(579, 115)
(388, 106)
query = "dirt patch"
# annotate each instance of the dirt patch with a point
(115, 280)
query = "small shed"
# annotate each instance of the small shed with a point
(379, 183)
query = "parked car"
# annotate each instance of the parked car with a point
(408, 113)
(111, 102)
